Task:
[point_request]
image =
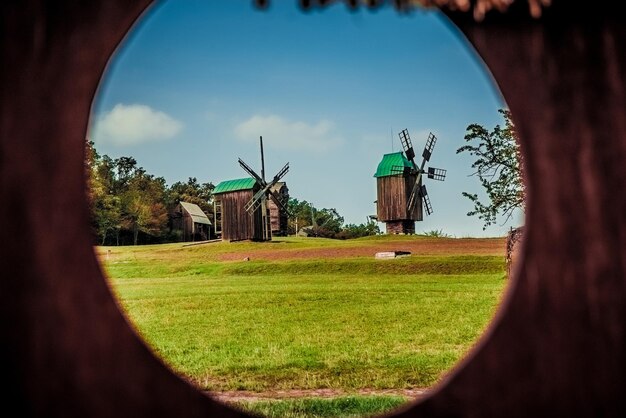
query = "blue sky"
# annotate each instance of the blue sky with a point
(196, 82)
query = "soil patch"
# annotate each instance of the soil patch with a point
(438, 246)
(237, 396)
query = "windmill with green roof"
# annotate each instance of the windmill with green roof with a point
(232, 222)
(242, 209)
(402, 198)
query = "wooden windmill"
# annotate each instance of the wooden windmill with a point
(266, 192)
(402, 197)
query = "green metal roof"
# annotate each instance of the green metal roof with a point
(234, 185)
(391, 163)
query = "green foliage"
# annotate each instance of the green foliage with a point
(346, 406)
(127, 203)
(327, 220)
(142, 207)
(192, 192)
(449, 265)
(325, 223)
(358, 231)
(498, 166)
(436, 233)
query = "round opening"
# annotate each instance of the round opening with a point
(312, 320)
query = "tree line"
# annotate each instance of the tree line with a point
(326, 223)
(131, 206)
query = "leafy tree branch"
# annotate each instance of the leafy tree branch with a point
(498, 166)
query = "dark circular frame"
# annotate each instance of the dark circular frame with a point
(557, 346)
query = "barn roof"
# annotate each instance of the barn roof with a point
(197, 215)
(234, 185)
(391, 163)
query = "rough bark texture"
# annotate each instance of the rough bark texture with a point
(558, 345)
(513, 248)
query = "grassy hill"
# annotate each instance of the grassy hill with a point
(310, 313)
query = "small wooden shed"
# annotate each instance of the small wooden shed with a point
(232, 221)
(279, 217)
(191, 220)
(394, 183)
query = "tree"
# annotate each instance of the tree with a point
(323, 222)
(327, 222)
(124, 199)
(301, 214)
(192, 192)
(142, 199)
(357, 231)
(104, 205)
(498, 167)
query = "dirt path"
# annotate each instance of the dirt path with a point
(236, 396)
(438, 246)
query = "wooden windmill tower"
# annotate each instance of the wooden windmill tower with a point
(266, 192)
(402, 197)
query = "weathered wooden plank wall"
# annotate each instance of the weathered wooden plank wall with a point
(237, 223)
(183, 222)
(393, 193)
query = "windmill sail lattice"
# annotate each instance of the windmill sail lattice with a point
(419, 190)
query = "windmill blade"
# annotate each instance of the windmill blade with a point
(279, 202)
(275, 196)
(407, 146)
(253, 205)
(256, 200)
(437, 173)
(279, 175)
(430, 145)
(398, 169)
(414, 195)
(262, 160)
(262, 194)
(424, 195)
(250, 171)
(419, 190)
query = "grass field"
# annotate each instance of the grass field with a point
(305, 314)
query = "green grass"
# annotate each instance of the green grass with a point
(344, 323)
(369, 267)
(349, 406)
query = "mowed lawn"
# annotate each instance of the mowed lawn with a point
(310, 313)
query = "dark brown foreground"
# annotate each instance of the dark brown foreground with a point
(558, 348)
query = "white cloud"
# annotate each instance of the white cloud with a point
(294, 135)
(134, 124)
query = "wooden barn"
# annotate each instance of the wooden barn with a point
(232, 221)
(191, 221)
(278, 216)
(394, 183)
